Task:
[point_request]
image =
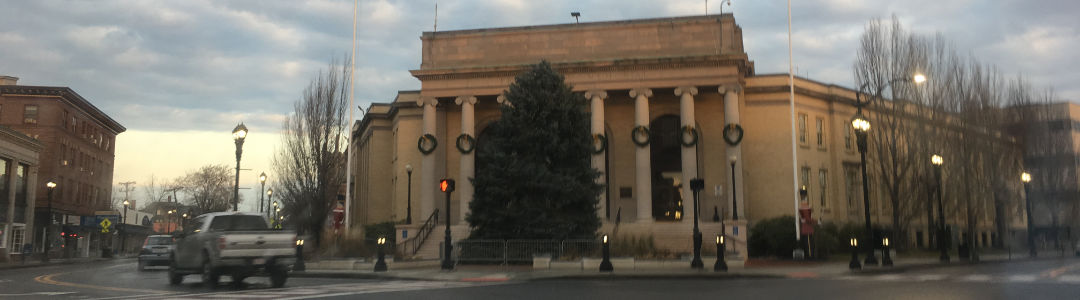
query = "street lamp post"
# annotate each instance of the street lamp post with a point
(262, 187)
(123, 239)
(862, 127)
(1026, 179)
(168, 221)
(696, 185)
(408, 197)
(269, 198)
(942, 235)
(239, 133)
(48, 222)
(605, 262)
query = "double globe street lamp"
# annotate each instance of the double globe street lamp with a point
(862, 127)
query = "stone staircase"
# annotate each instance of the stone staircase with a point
(431, 247)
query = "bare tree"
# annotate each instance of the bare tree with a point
(156, 190)
(209, 188)
(310, 162)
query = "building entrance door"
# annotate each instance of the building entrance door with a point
(666, 158)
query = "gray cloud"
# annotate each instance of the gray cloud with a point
(204, 65)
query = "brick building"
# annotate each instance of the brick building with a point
(78, 142)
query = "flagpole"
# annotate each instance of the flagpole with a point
(348, 151)
(791, 100)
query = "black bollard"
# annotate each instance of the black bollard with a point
(721, 264)
(380, 264)
(605, 265)
(886, 258)
(854, 265)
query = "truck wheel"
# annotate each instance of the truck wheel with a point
(210, 276)
(175, 277)
(278, 277)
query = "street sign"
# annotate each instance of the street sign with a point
(105, 225)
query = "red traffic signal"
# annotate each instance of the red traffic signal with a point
(446, 185)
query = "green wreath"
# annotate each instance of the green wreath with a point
(693, 136)
(603, 143)
(467, 139)
(428, 137)
(731, 129)
(644, 131)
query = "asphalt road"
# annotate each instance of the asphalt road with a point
(1043, 279)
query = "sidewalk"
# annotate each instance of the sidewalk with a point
(754, 269)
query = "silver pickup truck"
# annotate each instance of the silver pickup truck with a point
(235, 244)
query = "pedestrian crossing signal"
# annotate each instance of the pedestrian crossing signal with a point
(446, 185)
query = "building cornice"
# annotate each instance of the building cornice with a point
(740, 61)
(68, 95)
(12, 135)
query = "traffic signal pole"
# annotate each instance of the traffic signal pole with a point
(447, 186)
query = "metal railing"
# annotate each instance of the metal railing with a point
(413, 244)
(520, 251)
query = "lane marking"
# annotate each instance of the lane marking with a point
(1069, 278)
(1023, 278)
(48, 279)
(931, 277)
(977, 277)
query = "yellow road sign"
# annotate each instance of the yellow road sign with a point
(105, 225)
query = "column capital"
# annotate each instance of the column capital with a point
(465, 99)
(427, 101)
(590, 94)
(734, 88)
(692, 90)
(646, 92)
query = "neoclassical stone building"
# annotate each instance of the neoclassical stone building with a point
(669, 75)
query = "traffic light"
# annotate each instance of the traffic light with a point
(446, 185)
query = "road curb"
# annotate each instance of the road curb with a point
(617, 276)
(901, 269)
(57, 263)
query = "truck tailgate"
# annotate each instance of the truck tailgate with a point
(258, 244)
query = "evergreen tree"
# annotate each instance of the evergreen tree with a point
(534, 179)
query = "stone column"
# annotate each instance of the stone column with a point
(731, 116)
(689, 154)
(643, 167)
(428, 184)
(31, 198)
(468, 160)
(597, 98)
(10, 224)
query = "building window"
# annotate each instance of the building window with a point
(17, 239)
(30, 114)
(851, 184)
(820, 133)
(823, 179)
(847, 136)
(802, 128)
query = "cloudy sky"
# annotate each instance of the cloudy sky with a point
(180, 74)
